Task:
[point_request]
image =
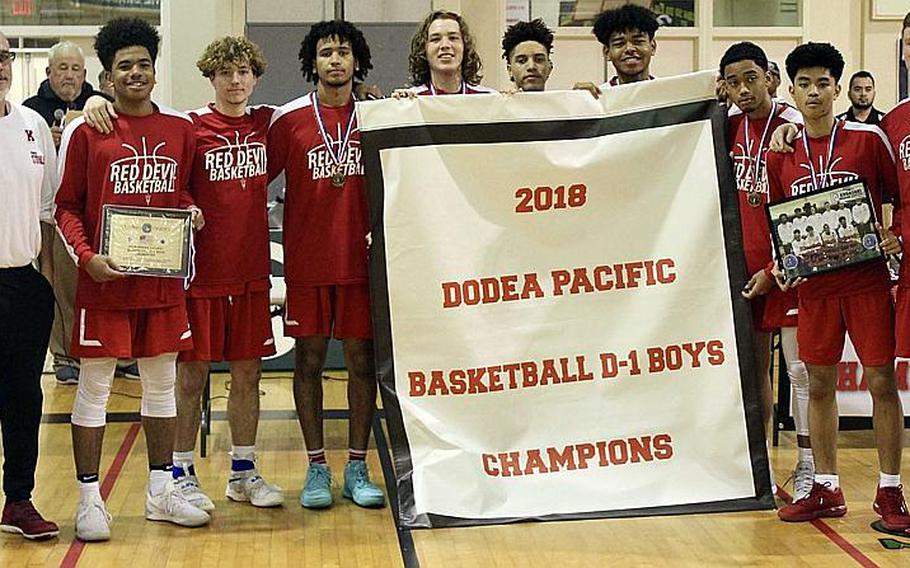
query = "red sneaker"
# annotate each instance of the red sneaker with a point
(820, 502)
(21, 517)
(891, 507)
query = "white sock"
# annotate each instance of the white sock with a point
(829, 479)
(183, 458)
(243, 452)
(157, 481)
(888, 480)
(805, 455)
(88, 491)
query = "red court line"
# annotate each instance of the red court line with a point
(835, 537)
(75, 549)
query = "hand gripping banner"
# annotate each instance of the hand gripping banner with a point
(556, 299)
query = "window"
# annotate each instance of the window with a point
(758, 13)
(71, 13)
(582, 13)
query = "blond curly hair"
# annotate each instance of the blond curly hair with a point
(231, 50)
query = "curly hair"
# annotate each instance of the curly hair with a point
(125, 32)
(535, 30)
(419, 67)
(813, 54)
(743, 51)
(231, 50)
(628, 17)
(343, 31)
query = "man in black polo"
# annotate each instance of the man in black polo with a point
(862, 95)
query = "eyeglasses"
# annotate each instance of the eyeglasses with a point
(7, 56)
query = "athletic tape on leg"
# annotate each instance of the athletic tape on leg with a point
(158, 376)
(96, 375)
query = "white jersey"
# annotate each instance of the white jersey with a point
(848, 232)
(785, 231)
(861, 213)
(815, 221)
(829, 217)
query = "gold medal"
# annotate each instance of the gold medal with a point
(338, 178)
(754, 198)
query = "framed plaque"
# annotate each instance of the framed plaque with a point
(147, 241)
(825, 230)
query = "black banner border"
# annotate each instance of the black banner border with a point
(373, 142)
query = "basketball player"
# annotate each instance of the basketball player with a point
(124, 316)
(443, 60)
(627, 35)
(854, 300)
(896, 125)
(526, 47)
(755, 115)
(315, 140)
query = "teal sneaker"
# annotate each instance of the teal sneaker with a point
(358, 488)
(317, 491)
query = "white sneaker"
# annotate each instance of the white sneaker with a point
(93, 522)
(172, 506)
(803, 478)
(249, 486)
(188, 485)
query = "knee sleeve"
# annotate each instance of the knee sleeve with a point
(799, 375)
(158, 376)
(95, 378)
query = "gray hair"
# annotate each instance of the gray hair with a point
(63, 46)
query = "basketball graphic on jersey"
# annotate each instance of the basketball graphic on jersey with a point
(236, 160)
(144, 172)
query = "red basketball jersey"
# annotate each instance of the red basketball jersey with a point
(145, 162)
(229, 184)
(860, 151)
(325, 223)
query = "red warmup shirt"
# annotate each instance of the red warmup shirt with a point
(860, 150)
(325, 227)
(145, 162)
(744, 150)
(896, 125)
(229, 184)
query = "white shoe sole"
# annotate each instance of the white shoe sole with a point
(277, 501)
(94, 537)
(40, 536)
(191, 523)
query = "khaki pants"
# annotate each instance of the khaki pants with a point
(65, 274)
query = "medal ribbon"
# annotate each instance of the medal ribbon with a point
(756, 182)
(462, 91)
(821, 181)
(345, 138)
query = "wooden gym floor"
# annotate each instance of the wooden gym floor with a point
(346, 535)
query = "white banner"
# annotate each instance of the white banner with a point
(556, 302)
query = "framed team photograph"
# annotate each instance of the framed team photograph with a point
(824, 230)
